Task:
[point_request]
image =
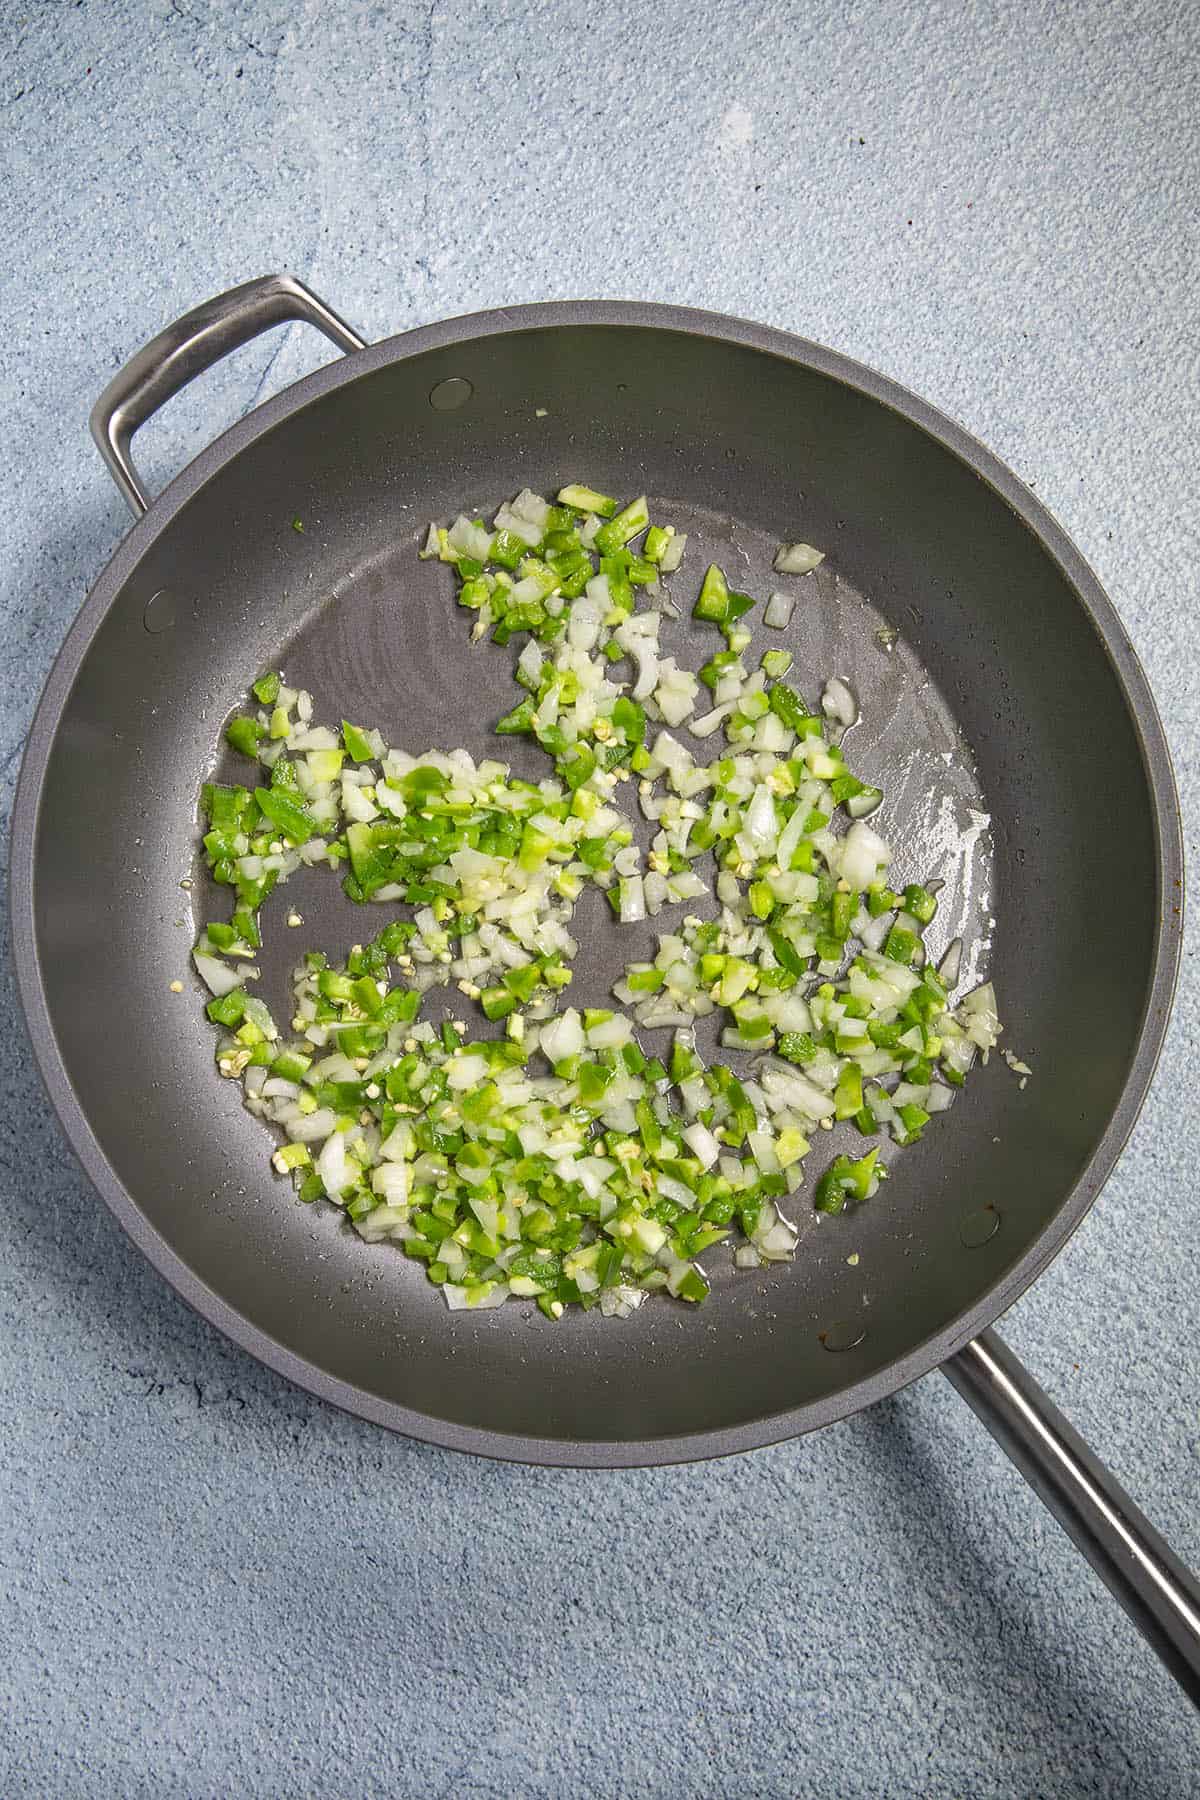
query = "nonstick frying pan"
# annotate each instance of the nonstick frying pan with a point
(1004, 712)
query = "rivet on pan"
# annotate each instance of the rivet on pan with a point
(844, 1335)
(979, 1226)
(160, 611)
(449, 395)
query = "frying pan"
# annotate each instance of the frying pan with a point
(1004, 712)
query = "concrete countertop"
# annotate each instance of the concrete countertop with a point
(212, 1584)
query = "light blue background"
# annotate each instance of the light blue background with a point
(211, 1584)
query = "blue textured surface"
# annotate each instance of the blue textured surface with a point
(211, 1584)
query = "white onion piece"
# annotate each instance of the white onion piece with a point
(312, 1128)
(761, 825)
(709, 721)
(316, 737)
(874, 931)
(656, 1013)
(728, 891)
(694, 1095)
(762, 1149)
(797, 559)
(395, 1145)
(860, 806)
(687, 885)
(670, 753)
(512, 522)
(951, 963)
(778, 613)
(789, 1012)
(779, 1242)
(384, 1222)
(529, 505)
(671, 1189)
(469, 540)
(585, 623)
(864, 853)
(610, 1034)
(837, 702)
(637, 625)
(390, 1181)
(654, 887)
(702, 1144)
(791, 1089)
(621, 1301)
(633, 900)
(771, 734)
(275, 1088)
(645, 659)
(790, 837)
(457, 1298)
(881, 1105)
(672, 555)
(547, 712)
(676, 691)
(356, 805)
(979, 1018)
(331, 1164)
(909, 1093)
(218, 977)
(562, 1037)
(466, 1072)
(597, 593)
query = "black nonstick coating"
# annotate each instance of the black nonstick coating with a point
(1009, 723)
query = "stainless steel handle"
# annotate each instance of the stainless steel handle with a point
(188, 347)
(1159, 1594)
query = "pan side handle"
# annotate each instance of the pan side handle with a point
(189, 347)
(1159, 1594)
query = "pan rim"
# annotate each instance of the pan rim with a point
(751, 1433)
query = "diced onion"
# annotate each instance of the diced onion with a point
(837, 702)
(797, 559)
(864, 853)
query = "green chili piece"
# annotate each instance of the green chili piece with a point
(787, 705)
(623, 526)
(713, 600)
(582, 499)
(357, 747)
(901, 946)
(243, 734)
(920, 903)
(292, 820)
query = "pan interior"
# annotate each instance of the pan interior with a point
(994, 721)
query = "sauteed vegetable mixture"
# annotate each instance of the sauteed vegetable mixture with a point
(560, 1156)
